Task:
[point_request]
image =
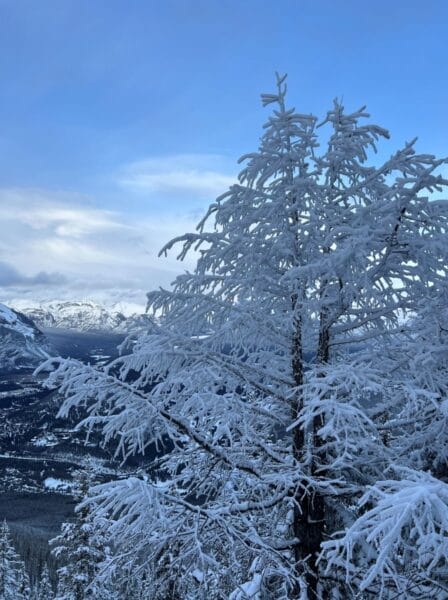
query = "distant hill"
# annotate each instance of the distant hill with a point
(22, 343)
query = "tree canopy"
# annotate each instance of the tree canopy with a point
(294, 382)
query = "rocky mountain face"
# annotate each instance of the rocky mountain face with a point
(41, 316)
(86, 316)
(22, 343)
(135, 323)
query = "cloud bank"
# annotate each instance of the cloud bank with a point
(10, 276)
(59, 244)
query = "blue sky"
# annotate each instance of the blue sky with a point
(120, 121)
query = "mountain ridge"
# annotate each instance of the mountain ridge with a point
(23, 343)
(84, 315)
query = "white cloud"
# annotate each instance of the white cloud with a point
(203, 176)
(71, 251)
(60, 211)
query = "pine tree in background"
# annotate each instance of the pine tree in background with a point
(44, 589)
(82, 550)
(14, 582)
(278, 375)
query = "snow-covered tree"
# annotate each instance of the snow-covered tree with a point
(43, 588)
(403, 533)
(418, 431)
(14, 581)
(267, 377)
(82, 549)
(131, 584)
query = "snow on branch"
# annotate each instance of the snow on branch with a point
(404, 528)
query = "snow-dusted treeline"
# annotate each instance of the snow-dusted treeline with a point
(298, 377)
(14, 579)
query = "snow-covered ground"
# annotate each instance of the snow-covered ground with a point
(52, 483)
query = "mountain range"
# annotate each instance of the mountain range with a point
(85, 316)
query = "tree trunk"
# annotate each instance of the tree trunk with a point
(309, 509)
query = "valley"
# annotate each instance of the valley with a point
(39, 453)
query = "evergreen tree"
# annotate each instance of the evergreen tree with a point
(44, 589)
(82, 549)
(275, 374)
(14, 582)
